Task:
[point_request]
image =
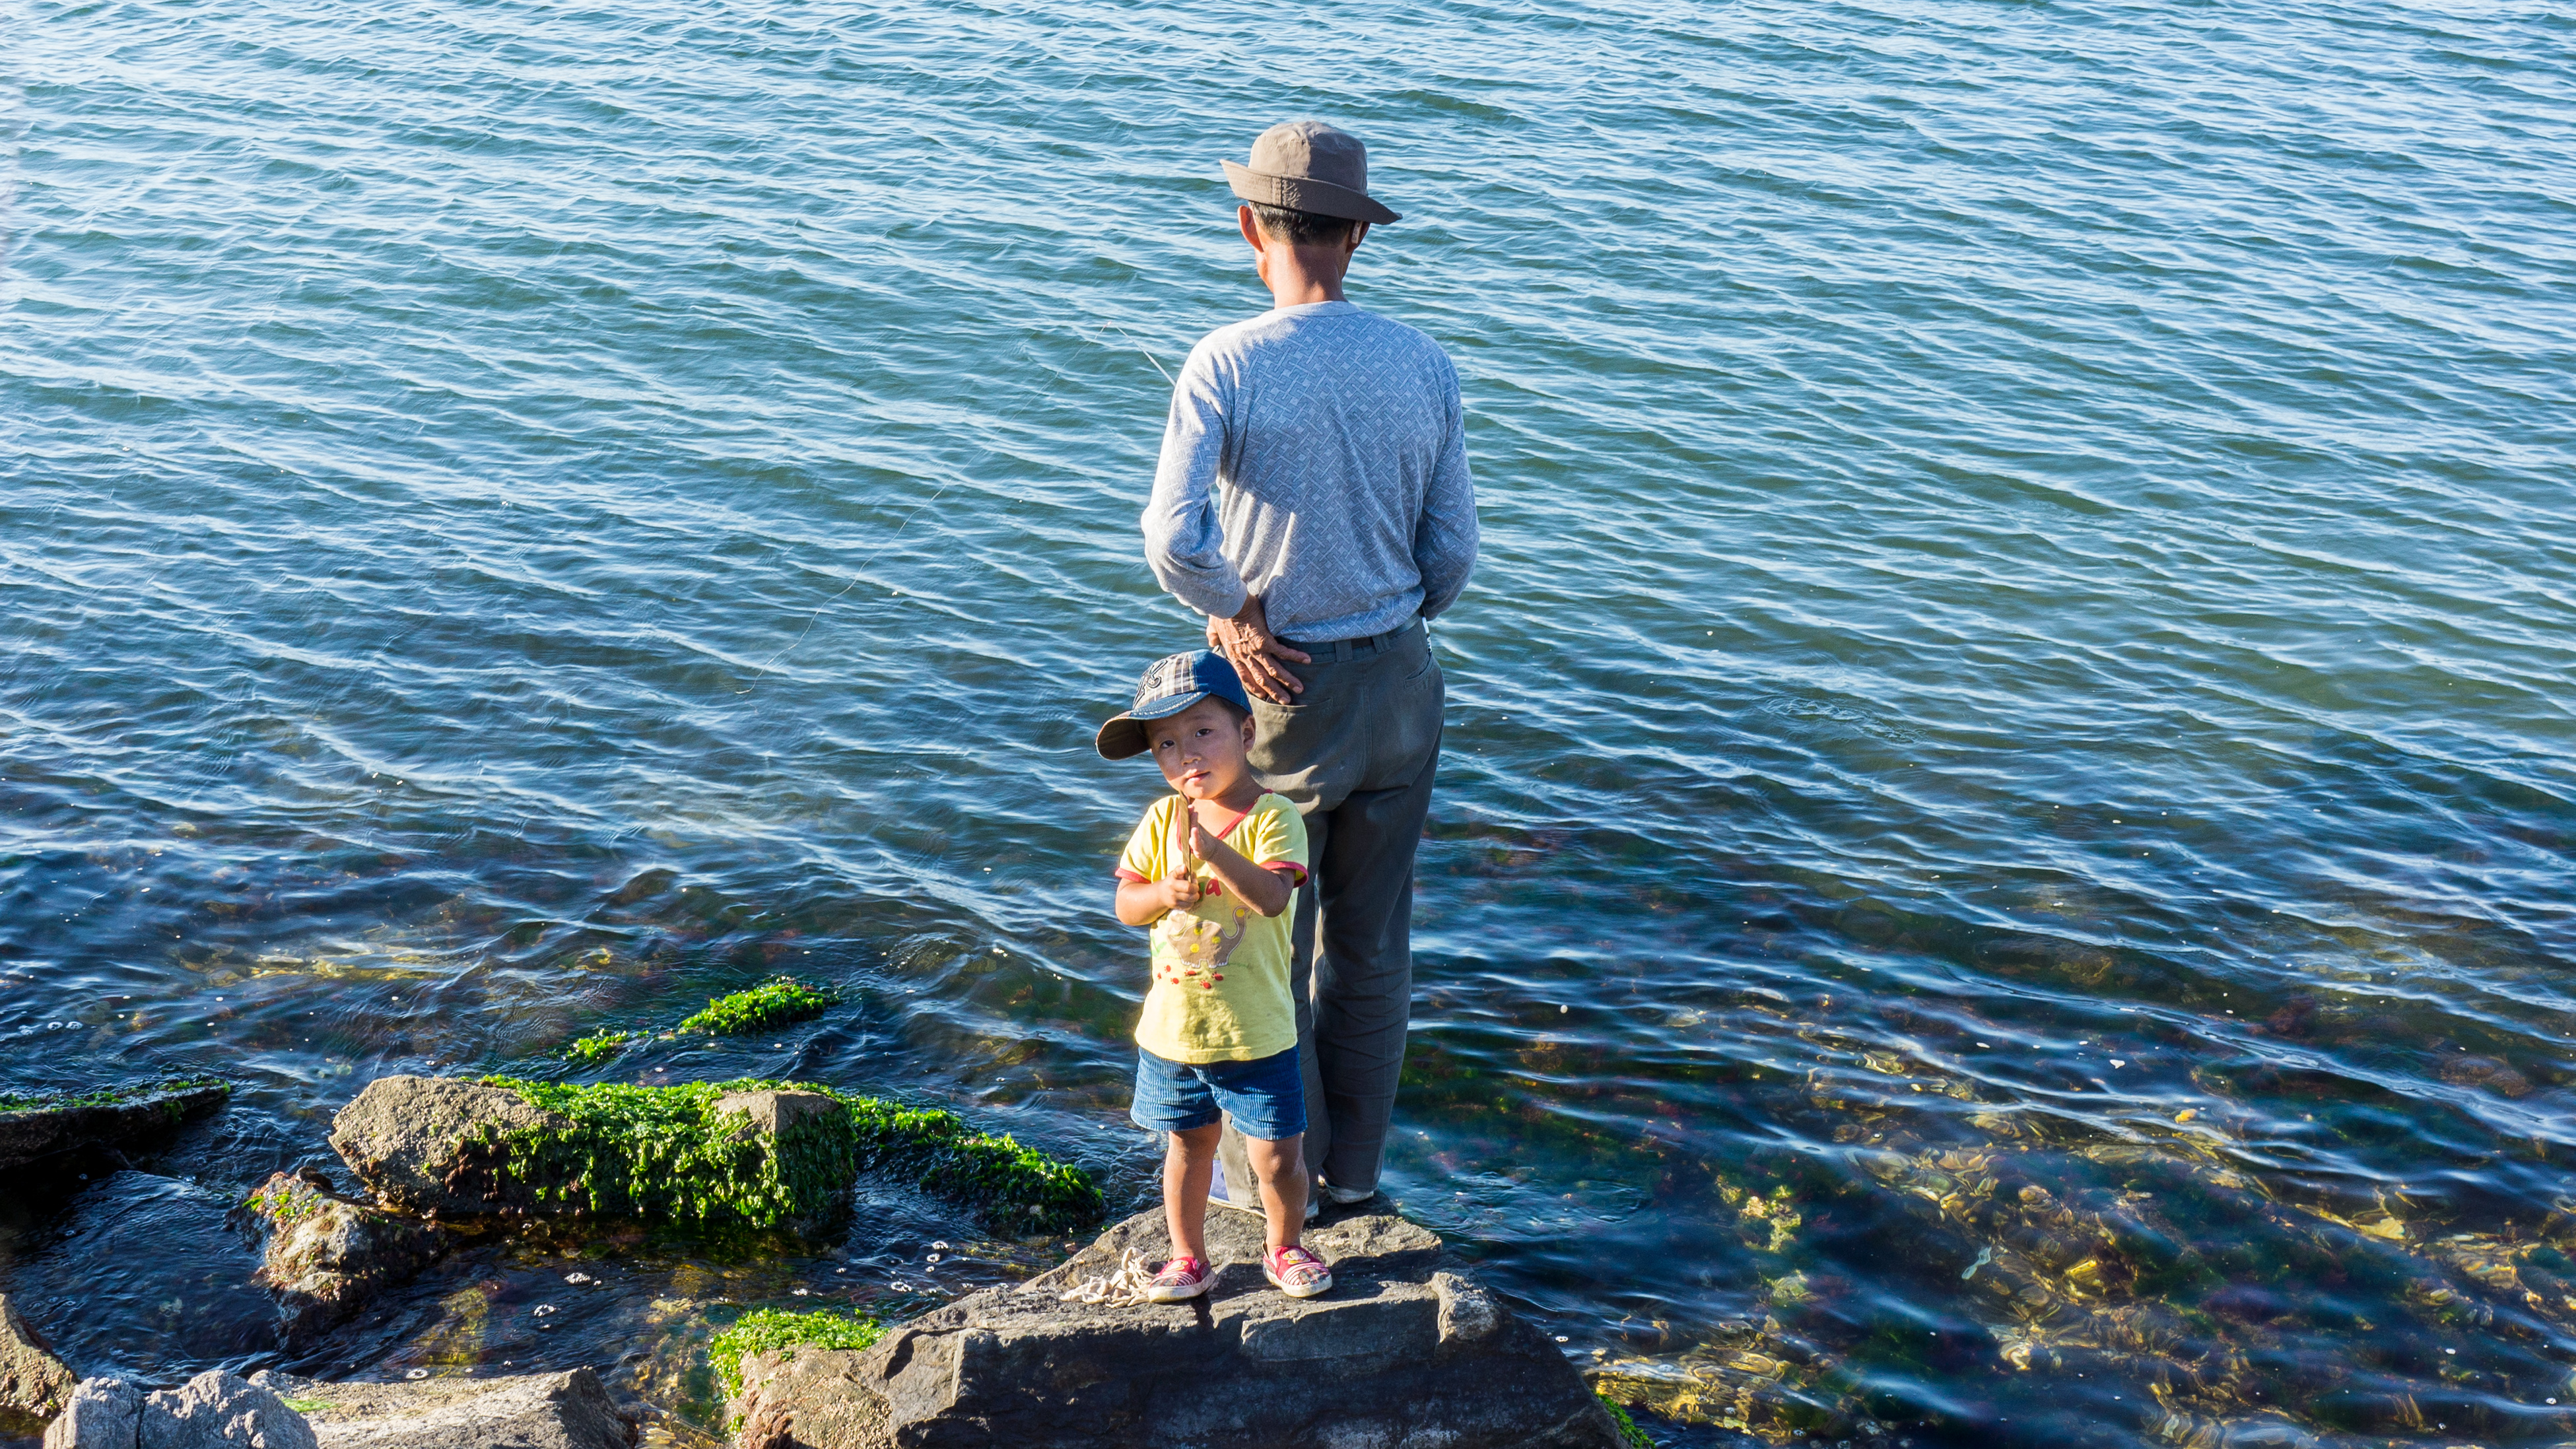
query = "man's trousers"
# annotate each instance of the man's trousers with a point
(1356, 753)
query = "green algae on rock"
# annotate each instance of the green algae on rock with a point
(38, 1125)
(1012, 1186)
(772, 1003)
(750, 1153)
(172, 1088)
(1636, 1438)
(755, 1152)
(775, 1002)
(689, 1152)
(779, 1333)
(599, 1046)
(327, 1256)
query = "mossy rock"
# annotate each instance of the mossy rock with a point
(755, 1153)
(41, 1125)
(327, 1256)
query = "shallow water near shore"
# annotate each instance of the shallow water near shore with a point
(2002, 866)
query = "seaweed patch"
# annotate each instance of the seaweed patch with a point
(770, 1330)
(775, 1002)
(283, 1206)
(669, 1153)
(110, 1096)
(599, 1046)
(1629, 1433)
(772, 1003)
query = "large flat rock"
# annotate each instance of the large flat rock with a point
(1405, 1351)
(527, 1411)
(44, 1128)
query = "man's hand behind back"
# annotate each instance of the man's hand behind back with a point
(1247, 643)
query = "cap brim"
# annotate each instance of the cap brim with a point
(1121, 738)
(1302, 193)
(1124, 735)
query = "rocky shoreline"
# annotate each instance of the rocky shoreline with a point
(1407, 1344)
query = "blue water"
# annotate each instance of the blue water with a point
(2029, 591)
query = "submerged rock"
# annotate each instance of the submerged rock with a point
(34, 1385)
(531, 1411)
(214, 1408)
(1406, 1349)
(327, 1256)
(34, 1127)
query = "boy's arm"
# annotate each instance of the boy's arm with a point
(1264, 888)
(1143, 902)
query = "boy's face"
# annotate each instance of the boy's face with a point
(1204, 751)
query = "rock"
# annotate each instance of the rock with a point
(34, 1385)
(1406, 1350)
(217, 1407)
(415, 1142)
(432, 1146)
(684, 1152)
(529, 1411)
(214, 1408)
(101, 1414)
(39, 1127)
(777, 1114)
(327, 1255)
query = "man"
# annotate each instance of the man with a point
(1313, 501)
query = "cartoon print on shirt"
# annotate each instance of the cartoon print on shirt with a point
(1190, 946)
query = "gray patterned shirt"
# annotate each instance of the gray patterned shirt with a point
(1316, 456)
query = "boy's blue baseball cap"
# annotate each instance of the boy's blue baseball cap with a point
(1172, 684)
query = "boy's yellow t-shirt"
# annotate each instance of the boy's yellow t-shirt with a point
(1220, 990)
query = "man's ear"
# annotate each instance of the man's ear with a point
(1251, 228)
(1359, 233)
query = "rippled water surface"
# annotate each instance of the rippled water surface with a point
(2002, 867)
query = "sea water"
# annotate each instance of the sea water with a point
(2002, 864)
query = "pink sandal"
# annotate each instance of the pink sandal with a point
(1180, 1279)
(1294, 1271)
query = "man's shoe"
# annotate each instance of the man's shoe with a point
(1345, 1196)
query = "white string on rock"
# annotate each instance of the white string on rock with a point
(1122, 1289)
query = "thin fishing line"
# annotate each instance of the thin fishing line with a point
(1140, 347)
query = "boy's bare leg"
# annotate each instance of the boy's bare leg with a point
(1281, 1168)
(1189, 1165)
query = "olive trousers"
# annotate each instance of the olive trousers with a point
(1356, 754)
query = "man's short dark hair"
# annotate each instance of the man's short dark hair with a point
(1301, 228)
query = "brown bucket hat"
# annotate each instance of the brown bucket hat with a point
(1309, 166)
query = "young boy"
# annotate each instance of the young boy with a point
(1214, 870)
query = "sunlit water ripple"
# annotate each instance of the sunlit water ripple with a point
(2002, 867)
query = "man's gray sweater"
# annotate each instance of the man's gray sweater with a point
(1316, 456)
